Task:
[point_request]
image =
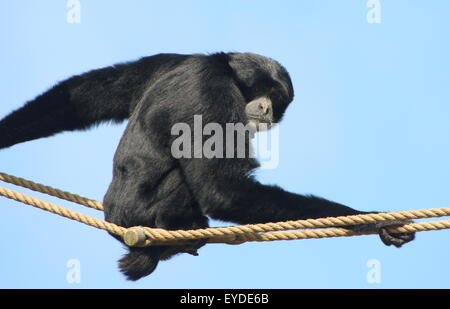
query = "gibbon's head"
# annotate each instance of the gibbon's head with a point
(266, 86)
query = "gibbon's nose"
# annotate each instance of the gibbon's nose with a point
(259, 107)
(264, 108)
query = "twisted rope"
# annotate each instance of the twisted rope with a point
(51, 191)
(240, 234)
(64, 212)
(145, 236)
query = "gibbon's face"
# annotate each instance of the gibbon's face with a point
(267, 100)
(260, 113)
(266, 87)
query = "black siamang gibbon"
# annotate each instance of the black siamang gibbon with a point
(152, 188)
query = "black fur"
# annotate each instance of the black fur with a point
(149, 186)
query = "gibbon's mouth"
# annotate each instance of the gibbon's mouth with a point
(258, 121)
(258, 124)
(257, 117)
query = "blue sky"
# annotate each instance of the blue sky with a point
(368, 128)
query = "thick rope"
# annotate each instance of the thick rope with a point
(294, 235)
(145, 236)
(263, 227)
(235, 235)
(64, 212)
(51, 191)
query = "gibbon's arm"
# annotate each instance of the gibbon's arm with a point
(231, 195)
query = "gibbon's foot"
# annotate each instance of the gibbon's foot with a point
(189, 247)
(388, 238)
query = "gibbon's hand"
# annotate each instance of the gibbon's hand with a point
(387, 237)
